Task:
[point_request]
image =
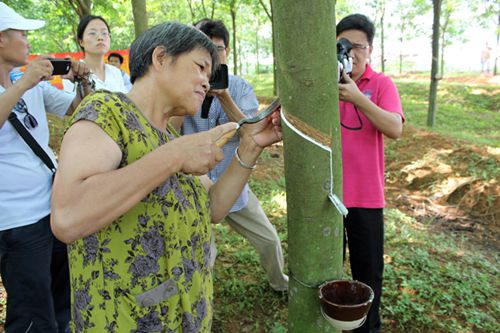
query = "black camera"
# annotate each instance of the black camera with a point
(344, 47)
(220, 78)
(61, 66)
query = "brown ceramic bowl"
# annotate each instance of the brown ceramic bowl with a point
(346, 301)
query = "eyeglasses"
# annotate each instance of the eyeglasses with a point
(360, 46)
(29, 120)
(95, 34)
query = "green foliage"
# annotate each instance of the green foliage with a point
(59, 33)
(435, 283)
(467, 112)
(262, 84)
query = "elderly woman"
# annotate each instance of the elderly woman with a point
(128, 199)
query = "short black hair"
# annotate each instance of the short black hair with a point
(213, 28)
(116, 55)
(176, 38)
(84, 22)
(357, 22)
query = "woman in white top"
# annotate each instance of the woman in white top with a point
(94, 39)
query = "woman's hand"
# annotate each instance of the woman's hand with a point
(265, 132)
(199, 151)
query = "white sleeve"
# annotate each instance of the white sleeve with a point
(56, 101)
(68, 86)
(114, 79)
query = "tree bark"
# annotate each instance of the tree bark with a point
(235, 50)
(269, 13)
(81, 7)
(257, 53)
(307, 85)
(275, 80)
(495, 66)
(443, 43)
(382, 37)
(431, 114)
(140, 16)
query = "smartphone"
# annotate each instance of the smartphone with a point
(61, 66)
(220, 79)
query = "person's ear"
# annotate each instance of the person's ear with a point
(3, 37)
(159, 57)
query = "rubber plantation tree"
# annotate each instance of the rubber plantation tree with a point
(269, 13)
(232, 6)
(379, 9)
(307, 85)
(380, 6)
(431, 113)
(451, 28)
(197, 9)
(140, 16)
(81, 7)
(408, 28)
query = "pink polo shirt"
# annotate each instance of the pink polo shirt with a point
(363, 150)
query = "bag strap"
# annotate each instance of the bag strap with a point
(31, 142)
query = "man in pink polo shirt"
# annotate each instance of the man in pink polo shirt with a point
(369, 109)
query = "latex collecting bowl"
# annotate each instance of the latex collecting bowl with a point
(344, 303)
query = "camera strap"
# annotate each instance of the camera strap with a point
(205, 107)
(31, 142)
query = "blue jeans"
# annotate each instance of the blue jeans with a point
(34, 269)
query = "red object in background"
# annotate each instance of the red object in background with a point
(57, 81)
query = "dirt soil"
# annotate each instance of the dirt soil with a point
(437, 180)
(433, 178)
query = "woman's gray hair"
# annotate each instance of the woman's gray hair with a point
(176, 38)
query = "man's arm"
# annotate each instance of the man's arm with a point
(8, 100)
(38, 70)
(389, 123)
(228, 105)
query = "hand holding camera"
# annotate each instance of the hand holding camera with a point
(220, 78)
(39, 69)
(60, 66)
(344, 60)
(218, 81)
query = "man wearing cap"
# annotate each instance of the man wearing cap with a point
(34, 267)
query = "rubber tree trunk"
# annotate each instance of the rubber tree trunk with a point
(431, 113)
(495, 66)
(140, 16)
(307, 85)
(235, 49)
(382, 36)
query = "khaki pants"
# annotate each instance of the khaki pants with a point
(252, 223)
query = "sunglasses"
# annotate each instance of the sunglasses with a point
(29, 120)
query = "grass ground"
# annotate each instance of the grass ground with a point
(442, 222)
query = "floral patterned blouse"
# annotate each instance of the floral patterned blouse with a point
(148, 271)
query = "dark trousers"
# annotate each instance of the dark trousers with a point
(364, 230)
(34, 269)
